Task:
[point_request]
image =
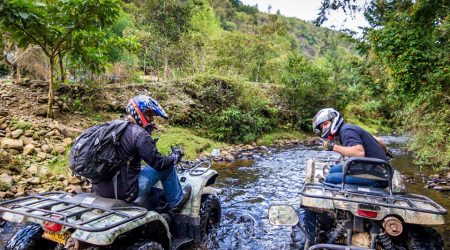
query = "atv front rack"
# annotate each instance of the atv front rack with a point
(412, 202)
(57, 207)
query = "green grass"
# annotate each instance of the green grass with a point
(60, 163)
(270, 138)
(192, 144)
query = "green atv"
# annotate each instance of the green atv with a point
(346, 216)
(57, 220)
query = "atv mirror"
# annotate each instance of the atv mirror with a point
(282, 215)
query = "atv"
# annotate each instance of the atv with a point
(348, 216)
(57, 220)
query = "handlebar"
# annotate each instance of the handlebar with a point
(195, 168)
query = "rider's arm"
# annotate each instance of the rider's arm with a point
(149, 153)
(352, 144)
(352, 151)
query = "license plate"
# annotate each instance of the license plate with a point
(56, 237)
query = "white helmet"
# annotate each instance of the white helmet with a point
(328, 114)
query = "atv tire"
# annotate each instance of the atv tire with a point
(420, 237)
(210, 212)
(146, 245)
(298, 238)
(29, 237)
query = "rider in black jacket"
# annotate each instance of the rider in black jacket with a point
(133, 183)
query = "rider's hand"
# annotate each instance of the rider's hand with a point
(328, 145)
(177, 153)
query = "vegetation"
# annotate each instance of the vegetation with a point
(410, 40)
(232, 74)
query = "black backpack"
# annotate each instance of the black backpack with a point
(94, 153)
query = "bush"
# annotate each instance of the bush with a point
(235, 125)
(427, 120)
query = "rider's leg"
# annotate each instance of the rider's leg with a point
(173, 191)
(336, 178)
(336, 169)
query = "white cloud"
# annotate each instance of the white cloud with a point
(307, 10)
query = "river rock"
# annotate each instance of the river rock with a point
(6, 181)
(46, 148)
(229, 157)
(28, 149)
(26, 140)
(67, 131)
(42, 155)
(41, 111)
(34, 180)
(33, 170)
(11, 144)
(3, 126)
(67, 141)
(13, 151)
(60, 149)
(3, 112)
(74, 188)
(74, 180)
(442, 188)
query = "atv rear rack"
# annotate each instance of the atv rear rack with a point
(379, 199)
(58, 208)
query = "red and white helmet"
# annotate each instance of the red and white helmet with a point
(328, 114)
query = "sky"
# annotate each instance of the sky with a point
(307, 10)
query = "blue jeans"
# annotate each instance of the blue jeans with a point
(149, 176)
(335, 177)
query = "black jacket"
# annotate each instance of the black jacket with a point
(136, 145)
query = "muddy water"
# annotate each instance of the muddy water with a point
(249, 188)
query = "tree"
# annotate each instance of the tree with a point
(410, 39)
(57, 27)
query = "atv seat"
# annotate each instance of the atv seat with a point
(93, 199)
(370, 169)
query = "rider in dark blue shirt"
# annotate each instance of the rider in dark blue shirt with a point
(354, 142)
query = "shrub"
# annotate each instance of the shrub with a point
(235, 125)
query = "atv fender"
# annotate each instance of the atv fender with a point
(107, 237)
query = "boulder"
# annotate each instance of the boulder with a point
(33, 170)
(67, 141)
(67, 131)
(28, 149)
(74, 180)
(3, 112)
(59, 149)
(34, 180)
(229, 157)
(6, 181)
(42, 156)
(26, 140)
(6, 143)
(46, 148)
(41, 111)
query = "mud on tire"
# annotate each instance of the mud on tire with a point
(146, 245)
(29, 237)
(210, 212)
(421, 237)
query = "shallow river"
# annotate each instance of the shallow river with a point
(249, 188)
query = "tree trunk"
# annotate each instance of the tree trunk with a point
(50, 88)
(61, 67)
(17, 68)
